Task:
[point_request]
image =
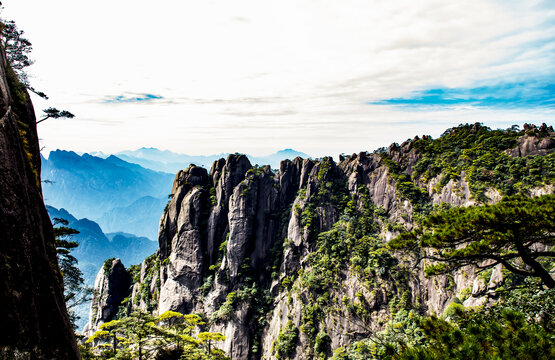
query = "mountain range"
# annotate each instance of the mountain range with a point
(109, 191)
(127, 191)
(167, 161)
(308, 262)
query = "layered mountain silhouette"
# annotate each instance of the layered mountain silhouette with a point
(119, 195)
(167, 161)
(127, 191)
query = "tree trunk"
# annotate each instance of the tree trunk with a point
(536, 266)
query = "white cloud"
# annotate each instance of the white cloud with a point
(260, 75)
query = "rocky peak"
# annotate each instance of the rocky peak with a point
(236, 243)
(111, 286)
(535, 141)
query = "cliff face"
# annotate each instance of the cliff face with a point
(34, 322)
(232, 243)
(299, 254)
(111, 286)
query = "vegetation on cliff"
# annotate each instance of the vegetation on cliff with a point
(300, 264)
(141, 335)
(518, 232)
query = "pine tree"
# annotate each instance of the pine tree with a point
(517, 232)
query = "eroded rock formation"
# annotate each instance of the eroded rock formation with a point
(238, 244)
(111, 286)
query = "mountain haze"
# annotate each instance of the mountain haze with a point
(168, 161)
(119, 195)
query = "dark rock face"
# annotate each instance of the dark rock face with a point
(34, 322)
(111, 286)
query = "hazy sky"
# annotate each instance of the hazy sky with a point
(323, 77)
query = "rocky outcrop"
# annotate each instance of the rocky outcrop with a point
(537, 141)
(34, 322)
(111, 286)
(238, 243)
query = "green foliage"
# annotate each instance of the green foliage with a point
(481, 154)
(152, 273)
(75, 290)
(17, 49)
(406, 187)
(322, 344)
(221, 252)
(507, 232)
(213, 198)
(476, 336)
(255, 171)
(351, 245)
(401, 331)
(107, 266)
(141, 335)
(53, 113)
(207, 285)
(284, 346)
(225, 311)
(536, 304)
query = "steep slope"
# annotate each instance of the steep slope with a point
(34, 322)
(294, 264)
(111, 287)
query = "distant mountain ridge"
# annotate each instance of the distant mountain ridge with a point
(98, 189)
(168, 161)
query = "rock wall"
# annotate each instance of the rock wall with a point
(34, 322)
(234, 241)
(111, 286)
(238, 224)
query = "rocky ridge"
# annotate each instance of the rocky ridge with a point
(246, 247)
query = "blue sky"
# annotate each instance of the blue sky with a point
(323, 77)
(133, 98)
(522, 95)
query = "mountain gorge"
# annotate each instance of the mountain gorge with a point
(295, 263)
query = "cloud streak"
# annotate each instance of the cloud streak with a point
(522, 95)
(331, 76)
(131, 98)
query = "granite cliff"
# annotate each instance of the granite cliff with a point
(293, 264)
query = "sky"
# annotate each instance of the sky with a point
(323, 77)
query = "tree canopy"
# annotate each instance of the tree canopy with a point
(53, 113)
(517, 232)
(18, 50)
(169, 335)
